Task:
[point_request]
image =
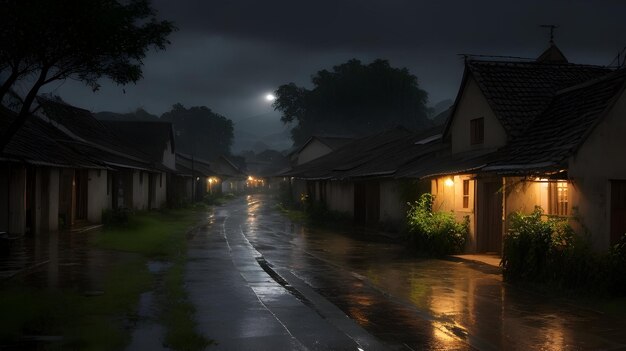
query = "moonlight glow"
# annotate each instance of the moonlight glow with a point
(270, 97)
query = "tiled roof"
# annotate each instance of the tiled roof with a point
(188, 165)
(519, 91)
(150, 137)
(39, 143)
(376, 156)
(88, 133)
(562, 127)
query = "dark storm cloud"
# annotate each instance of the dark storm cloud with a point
(228, 54)
(366, 25)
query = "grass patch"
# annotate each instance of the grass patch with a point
(104, 321)
(178, 313)
(156, 235)
(83, 322)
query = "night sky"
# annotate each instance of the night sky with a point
(228, 54)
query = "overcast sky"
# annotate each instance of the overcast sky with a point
(228, 54)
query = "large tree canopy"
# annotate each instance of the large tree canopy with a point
(200, 131)
(42, 41)
(354, 99)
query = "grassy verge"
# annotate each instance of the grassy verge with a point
(161, 236)
(70, 318)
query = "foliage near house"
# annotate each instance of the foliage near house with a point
(435, 233)
(548, 251)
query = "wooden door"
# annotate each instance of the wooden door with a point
(373, 202)
(489, 231)
(360, 203)
(81, 194)
(618, 210)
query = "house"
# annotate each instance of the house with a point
(126, 182)
(32, 169)
(570, 161)
(155, 139)
(232, 179)
(358, 178)
(514, 136)
(196, 178)
(317, 146)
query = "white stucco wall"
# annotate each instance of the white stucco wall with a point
(471, 105)
(392, 206)
(160, 194)
(97, 198)
(312, 150)
(53, 200)
(449, 198)
(140, 190)
(600, 159)
(339, 196)
(169, 157)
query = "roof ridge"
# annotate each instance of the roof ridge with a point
(535, 63)
(609, 76)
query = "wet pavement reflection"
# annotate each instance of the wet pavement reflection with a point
(412, 303)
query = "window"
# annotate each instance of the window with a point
(477, 131)
(466, 187)
(558, 198)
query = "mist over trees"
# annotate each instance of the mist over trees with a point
(42, 41)
(200, 132)
(354, 99)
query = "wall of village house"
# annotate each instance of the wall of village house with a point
(50, 200)
(17, 205)
(523, 195)
(160, 194)
(169, 157)
(393, 208)
(141, 190)
(598, 161)
(98, 199)
(449, 198)
(471, 105)
(312, 151)
(298, 189)
(340, 196)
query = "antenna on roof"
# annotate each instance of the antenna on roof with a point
(552, 28)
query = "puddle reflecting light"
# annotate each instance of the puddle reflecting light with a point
(449, 182)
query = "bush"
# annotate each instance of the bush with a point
(548, 251)
(115, 217)
(435, 233)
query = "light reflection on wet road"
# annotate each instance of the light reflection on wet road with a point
(414, 303)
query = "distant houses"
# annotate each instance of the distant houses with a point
(64, 168)
(522, 133)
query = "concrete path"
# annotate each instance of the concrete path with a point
(243, 304)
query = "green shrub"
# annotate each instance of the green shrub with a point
(548, 251)
(435, 233)
(115, 217)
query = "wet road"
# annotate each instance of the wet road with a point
(410, 303)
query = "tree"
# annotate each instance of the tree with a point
(353, 99)
(200, 132)
(42, 41)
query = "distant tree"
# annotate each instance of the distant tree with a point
(42, 41)
(353, 99)
(200, 132)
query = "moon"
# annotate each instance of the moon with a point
(270, 97)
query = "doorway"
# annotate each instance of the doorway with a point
(489, 224)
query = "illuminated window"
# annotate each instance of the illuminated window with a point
(558, 198)
(477, 131)
(466, 187)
